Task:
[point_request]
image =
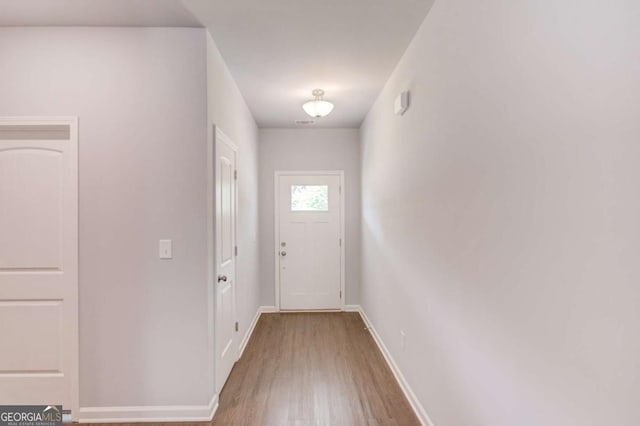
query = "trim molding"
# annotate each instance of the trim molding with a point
(166, 413)
(249, 332)
(61, 130)
(159, 413)
(352, 308)
(343, 233)
(268, 309)
(404, 385)
(247, 336)
(202, 413)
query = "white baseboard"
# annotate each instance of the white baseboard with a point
(406, 389)
(346, 308)
(352, 308)
(177, 413)
(202, 413)
(261, 310)
(163, 414)
(252, 326)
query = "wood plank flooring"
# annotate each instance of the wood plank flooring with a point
(312, 369)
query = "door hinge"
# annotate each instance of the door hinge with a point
(340, 189)
(235, 250)
(340, 242)
(340, 294)
(235, 174)
(236, 325)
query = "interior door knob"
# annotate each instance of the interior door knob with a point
(222, 278)
(283, 253)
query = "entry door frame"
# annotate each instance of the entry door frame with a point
(212, 264)
(276, 235)
(33, 122)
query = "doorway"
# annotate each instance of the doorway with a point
(309, 237)
(224, 191)
(39, 261)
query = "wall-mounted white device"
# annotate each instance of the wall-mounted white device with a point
(165, 249)
(402, 103)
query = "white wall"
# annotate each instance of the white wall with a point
(229, 112)
(145, 98)
(310, 149)
(500, 213)
(140, 95)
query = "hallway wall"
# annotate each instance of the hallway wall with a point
(146, 99)
(500, 213)
(140, 95)
(228, 111)
(310, 149)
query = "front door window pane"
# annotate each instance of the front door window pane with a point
(310, 198)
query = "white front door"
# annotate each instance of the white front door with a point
(39, 262)
(225, 317)
(309, 241)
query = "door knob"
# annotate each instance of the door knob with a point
(222, 278)
(283, 253)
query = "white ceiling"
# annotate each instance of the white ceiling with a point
(280, 50)
(277, 50)
(123, 13)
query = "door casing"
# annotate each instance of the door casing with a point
(71, 269)
(212, 273)
(276, 252)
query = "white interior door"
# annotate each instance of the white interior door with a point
(39, 262)
(309, 241)
(225, 317)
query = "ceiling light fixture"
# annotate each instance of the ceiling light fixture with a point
(318, 107)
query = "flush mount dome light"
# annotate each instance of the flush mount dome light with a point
(318, 107)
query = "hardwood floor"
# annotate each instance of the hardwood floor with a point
(312, 369)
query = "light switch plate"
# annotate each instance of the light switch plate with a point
(402, 103)
(165, 249)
